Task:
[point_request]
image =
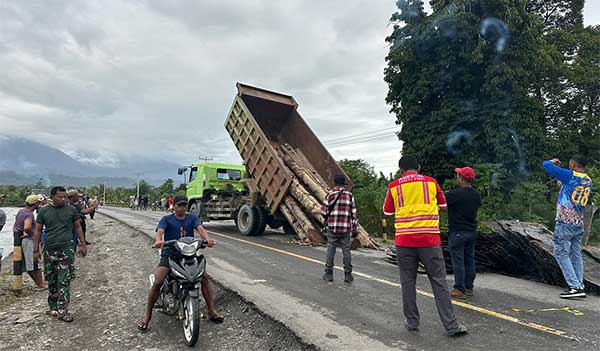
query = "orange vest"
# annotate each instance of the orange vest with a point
(416, 210)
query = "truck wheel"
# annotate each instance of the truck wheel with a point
(195, 209)
(261, 224)
(247, 220)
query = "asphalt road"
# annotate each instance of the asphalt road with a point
(284, 280)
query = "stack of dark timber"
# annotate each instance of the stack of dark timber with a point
(302, 205)
(523, 250)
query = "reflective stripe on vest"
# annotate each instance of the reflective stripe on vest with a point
(416, 207)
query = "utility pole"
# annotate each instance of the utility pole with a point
(138, 185)
(104, 195)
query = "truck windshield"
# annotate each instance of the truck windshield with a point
(229, 174)
(193, 173)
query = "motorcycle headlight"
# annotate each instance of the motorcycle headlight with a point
(188, 249)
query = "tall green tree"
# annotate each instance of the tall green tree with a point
(166, 189)
(460, 84)
(360, 172)
(558, 13)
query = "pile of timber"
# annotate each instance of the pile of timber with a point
(523, 250)
(301, 207)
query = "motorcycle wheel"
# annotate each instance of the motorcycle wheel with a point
(191, 320)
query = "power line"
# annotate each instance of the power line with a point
(363, 139)
(484, 114)
(374, 135)
(472, 111)
(356, 135)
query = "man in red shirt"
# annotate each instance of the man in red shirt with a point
(415, 201)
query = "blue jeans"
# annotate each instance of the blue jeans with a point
(462, 252)
(567, 250)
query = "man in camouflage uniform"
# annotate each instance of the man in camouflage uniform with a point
(59, 220)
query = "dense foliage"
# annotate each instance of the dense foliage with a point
(498, 85)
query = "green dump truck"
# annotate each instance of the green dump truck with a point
(286, 175)
(217, 191)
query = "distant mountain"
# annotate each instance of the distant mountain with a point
(23, 160)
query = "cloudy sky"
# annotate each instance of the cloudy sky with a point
(100, 79)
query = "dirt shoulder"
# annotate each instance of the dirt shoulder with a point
(108, 297)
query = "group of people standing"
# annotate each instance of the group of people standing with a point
(415, 201)
(53, 229)
(138, 202)
(142, 202)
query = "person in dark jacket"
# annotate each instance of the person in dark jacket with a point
(463, 203)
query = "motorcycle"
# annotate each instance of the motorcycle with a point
(180, 292)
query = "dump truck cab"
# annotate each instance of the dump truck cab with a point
(215, 190)
(206, 179)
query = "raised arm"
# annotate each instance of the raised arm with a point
(552, 168)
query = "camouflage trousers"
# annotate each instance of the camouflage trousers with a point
(60, 271)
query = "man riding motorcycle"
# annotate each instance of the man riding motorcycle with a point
(173, 227)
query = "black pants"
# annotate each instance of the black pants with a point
(462, 252)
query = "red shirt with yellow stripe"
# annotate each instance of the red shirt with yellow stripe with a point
(413, 200)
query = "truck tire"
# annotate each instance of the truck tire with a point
(248, 220)
(261, 224)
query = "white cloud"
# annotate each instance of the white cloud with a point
(156, 78)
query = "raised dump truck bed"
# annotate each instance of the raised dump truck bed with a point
(288, 166)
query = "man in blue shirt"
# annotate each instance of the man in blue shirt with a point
(173, 227)
(575, 194)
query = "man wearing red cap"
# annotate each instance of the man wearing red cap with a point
(463, 203)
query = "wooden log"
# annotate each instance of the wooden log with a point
(524, 250)
(307, 201)
(304, 198)
(312, 233)
(303, 160)
(303, 174)
(287, 213)
(364, 239)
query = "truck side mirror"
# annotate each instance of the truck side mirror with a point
(180, 171)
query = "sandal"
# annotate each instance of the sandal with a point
(217, 318)
(143, 327)
(65, 317)
(52, 313)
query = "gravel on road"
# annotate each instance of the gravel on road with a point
(108, 297)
